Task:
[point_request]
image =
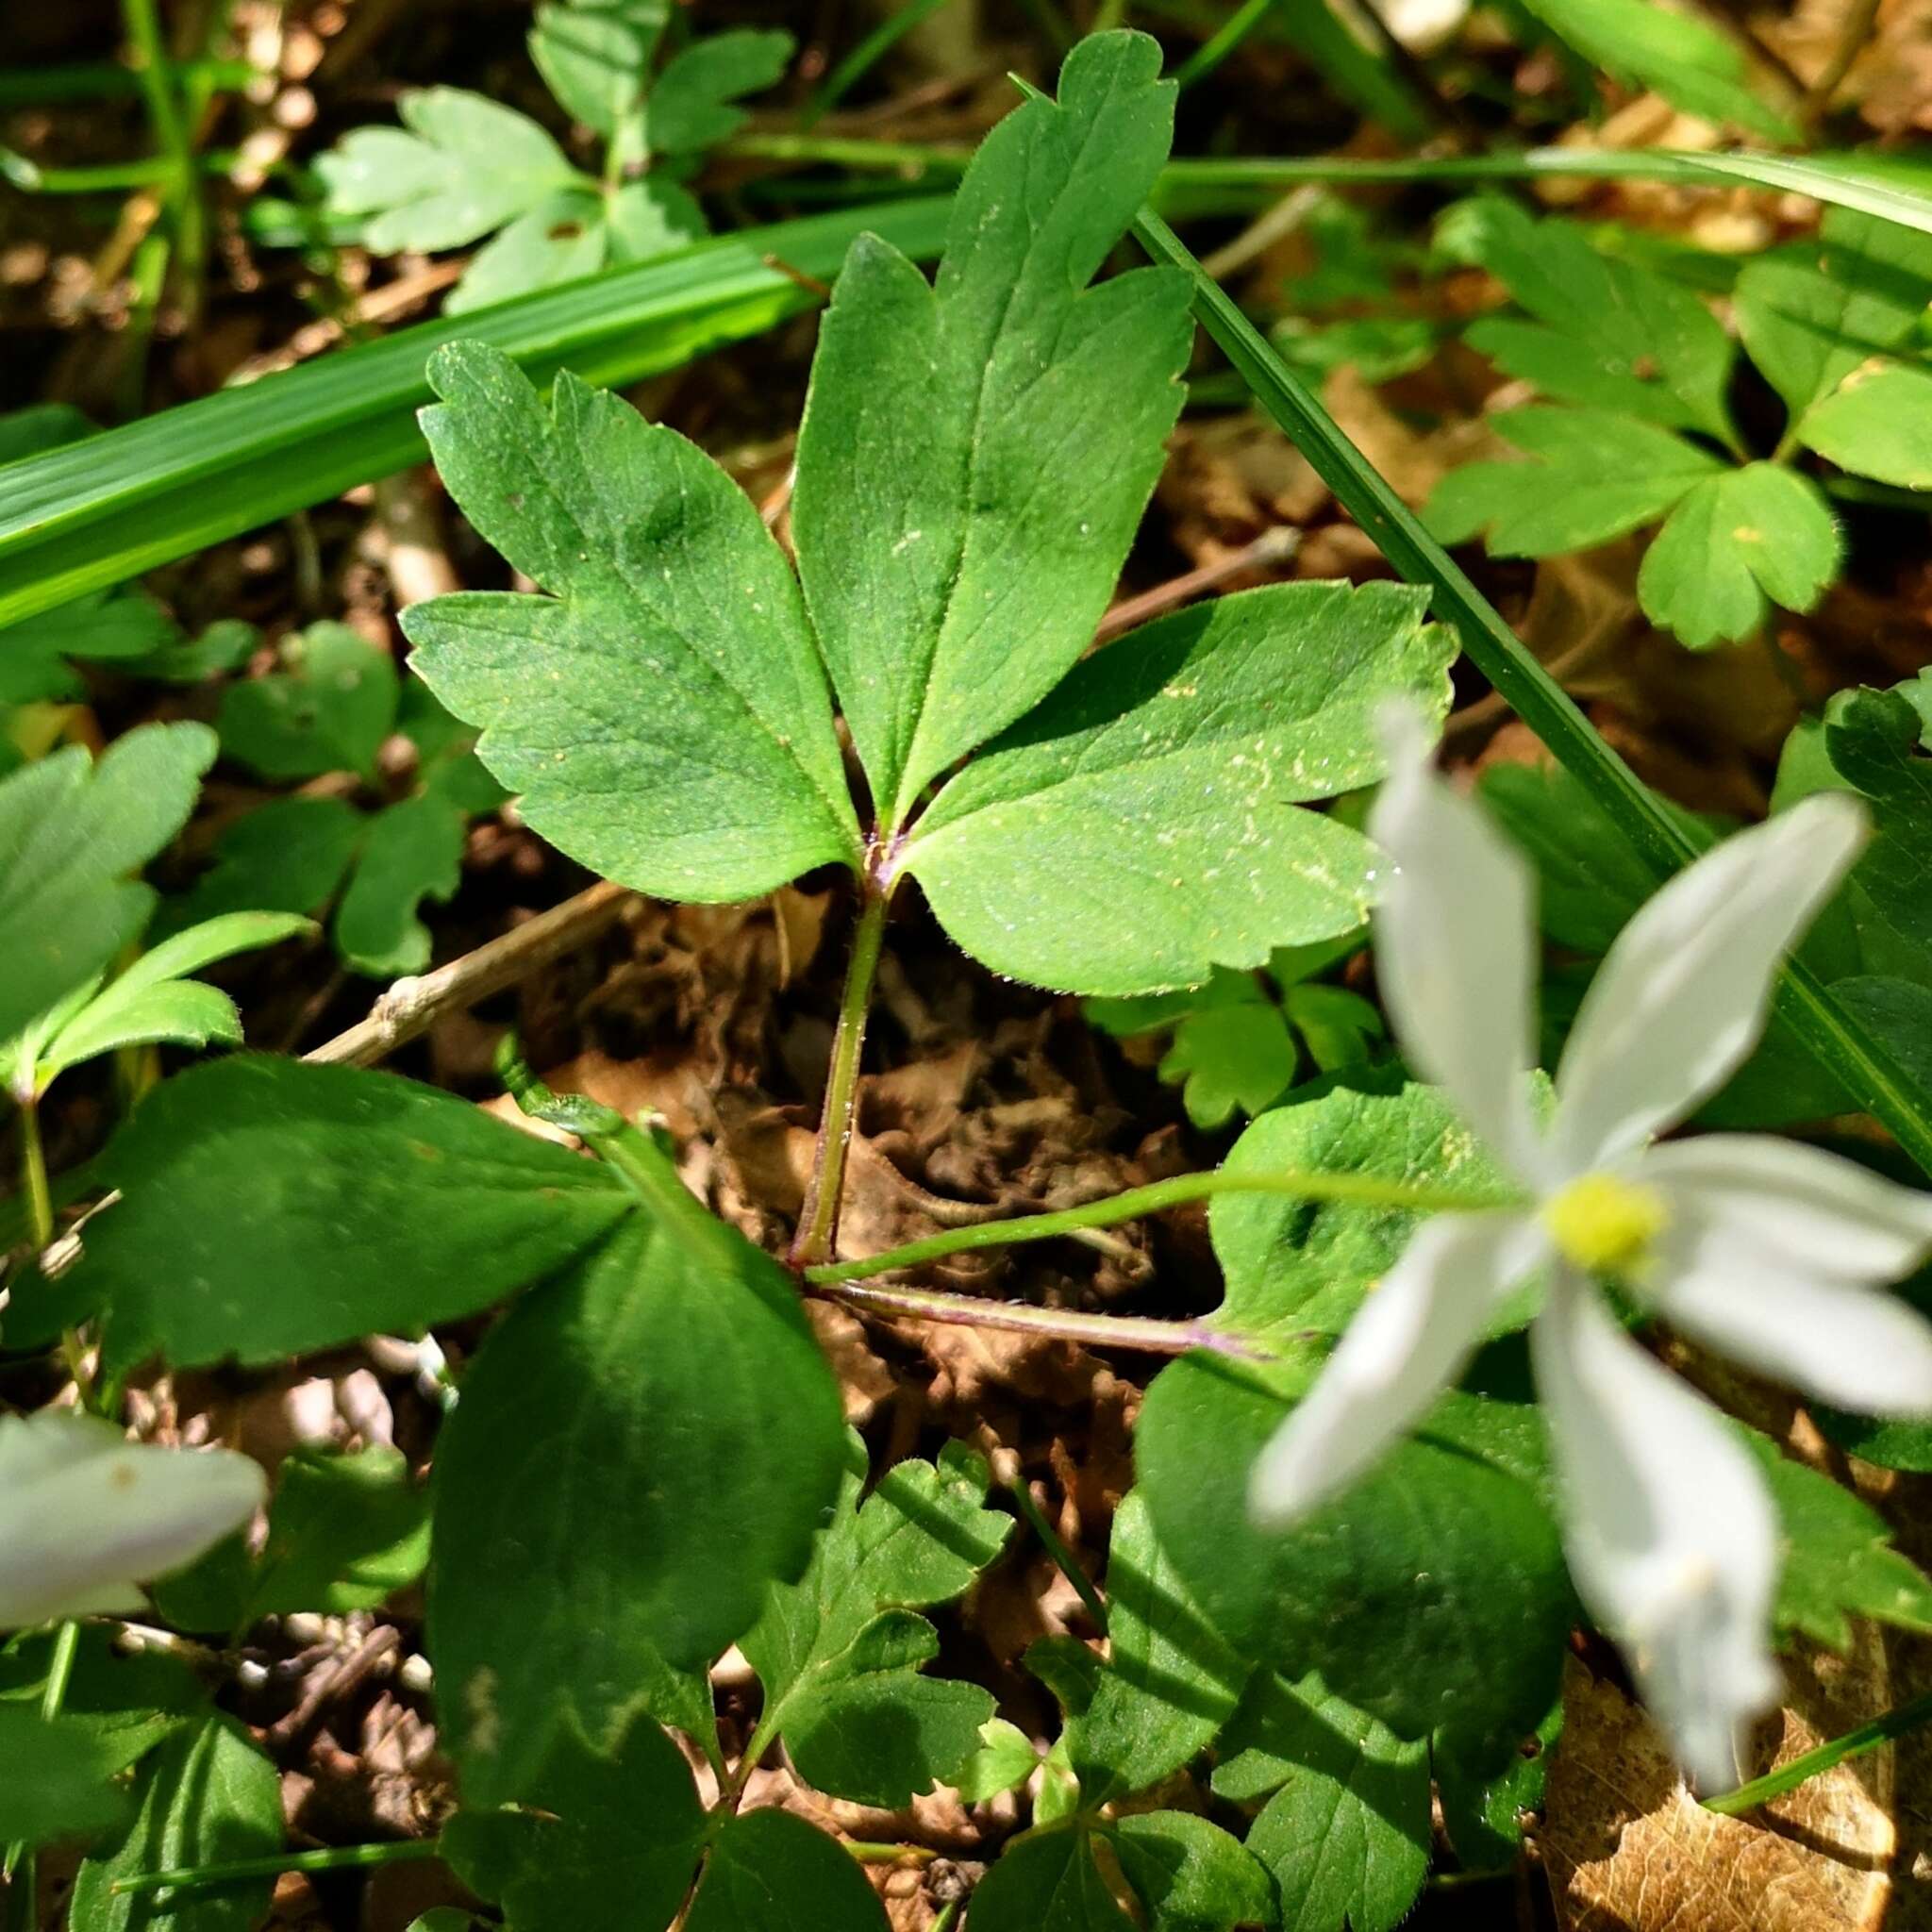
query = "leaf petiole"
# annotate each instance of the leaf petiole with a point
(1809, 1764)
(238, 1871)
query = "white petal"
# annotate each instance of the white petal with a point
(1672, 1539)
(1455, 943)
(85, 1515)
(1808, 1208)
(1407, 1344)
(1684, 994)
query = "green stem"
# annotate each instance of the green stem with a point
(149, 59)
(1157, 1196)
(1062, 1556)
(1213, 51)
(818, 1232)
(1871, 1077)
(33, 1174)
(95, 80)
(110, 178)
(238, 1871)
(879, 1852)
(1788, 1778)
(53, 1696)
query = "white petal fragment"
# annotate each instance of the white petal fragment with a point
(1409, 1343)
(1672, 1539)
(1859, 1347)
(86, 1515)
(1810, 1208)
(1685, 992)
(1454, 944)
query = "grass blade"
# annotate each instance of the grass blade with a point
(121, 503)
(1841, 1044)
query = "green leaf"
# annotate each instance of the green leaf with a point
(840, 1652)
(207, 1797)
(1691, 63)
(1159, 783)
(1838, 1561)
(1169, 1681)
(371, 1203)
(1237, 1057)
(591, 1829)
(1431, 1595)
(41, 427)
(346, 1532)
(1295, 1267)
(1346, 1830)
(690, 1438)
(973, 460)
(1047, 1882)
(151, 1001)
(329, 711)
(411, 852)
(1189, 1875)
(771, 1871)
(56, 1778)
(593, 55)
(1811, 315)
(465, 166)
(1006, 1758)
(688, 107)
(115, 627)
(1593, 476)
(1607, 333)
(171, 483)
(288, 855)
(1878, 423)
(705, 714)
(564, 238)
(1485, 1800)
(1872, 739)
(70, 835)
(1734, 545)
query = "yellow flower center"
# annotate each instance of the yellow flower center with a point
(1605, 1224)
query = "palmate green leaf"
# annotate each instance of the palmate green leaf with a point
(70, 835)
(840, 1652)
(1346, 1829)
(771, 1871)
(1736, 545)
(662, 710)
(1878, 423)
(1594, 476)
(1162, 775)
(1295, 1268)
(1234, 1056)
(689, 105)
(593, 56)
(1006, 1758)
(465, 166)
(591, 1829)
(974, 459)
(663, 1386)
(207, 1797)
(1686, 58)
(1432, 1595)
(1170, 1680)
(346, 1532)
(1606, 333)
(329, 711)
(120, 625)
(1812, 315)
(289, 855)
(373, 1204)
(1872, 739)
(1838, 1561)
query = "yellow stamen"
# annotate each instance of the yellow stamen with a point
(1605, 1224)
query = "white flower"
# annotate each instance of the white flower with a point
(86, 1515)
(1766, 1250)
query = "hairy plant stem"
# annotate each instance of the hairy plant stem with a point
(818, 1229)
(238, 1871)
(1809, 1764)
(1364, 1188)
